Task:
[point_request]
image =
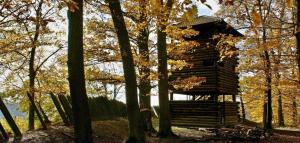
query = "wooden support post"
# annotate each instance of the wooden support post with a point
(12, 124)
(171, 96)
(44, 114)
(59, 109)
(69, 100)
(3, 132)
(44, 126)
(234, 98)
(224, 110)
(67, 107)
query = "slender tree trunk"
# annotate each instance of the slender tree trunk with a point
(280, 111)
(32, 71)
(136, 133)
(294, 111)
(276, 61)
(31, 87)
(298, 60)
(163, 86)
(164, 106)
(144, 70)
(81, 114)
(268, 75)
(115, 92)
(9, 119)
(243, 109)
(44, 126)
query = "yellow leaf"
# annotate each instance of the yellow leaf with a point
(190, 14)
(72, 5)
(289, 3)
(256, 18)
(155, 4)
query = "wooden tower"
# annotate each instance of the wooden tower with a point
(207, 107)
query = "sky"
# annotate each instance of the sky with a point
(204, 10)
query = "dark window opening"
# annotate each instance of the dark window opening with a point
(221, 64)
(209, 62)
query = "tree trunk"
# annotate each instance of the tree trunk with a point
(9, 119)
(144, 70)
(31, 89)
(81, 113)
(243, 109)
(136, 133)
(280, 111)
(298, 61)
(44, 126)
(295, 111)
(32, 71)
(268, 75)
(164, 107)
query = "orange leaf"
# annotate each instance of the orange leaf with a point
(289, 3)
(256, 18)
(72, 5)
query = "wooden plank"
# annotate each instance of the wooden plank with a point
(59, 109)
(67, 107)
(3, 132)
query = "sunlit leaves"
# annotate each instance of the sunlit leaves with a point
(190, 13)
(290, 3)
(188, 83)
(256, 17)
(156, 5)
(73, 6)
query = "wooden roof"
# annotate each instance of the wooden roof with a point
(205, 23)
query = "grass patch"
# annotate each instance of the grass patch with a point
(114, 130)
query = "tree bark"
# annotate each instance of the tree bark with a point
(280, 111)
(164, 105)
(268, 75)
(44, 126)
(81, 114)
(298, 60)
(136, 133)
(144, 70)
(32, 71)
(31, 89)
(9, 119)
(243, 109)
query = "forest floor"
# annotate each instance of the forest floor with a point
(115, 131)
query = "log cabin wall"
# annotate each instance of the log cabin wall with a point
(203, 113)
(221, 77)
